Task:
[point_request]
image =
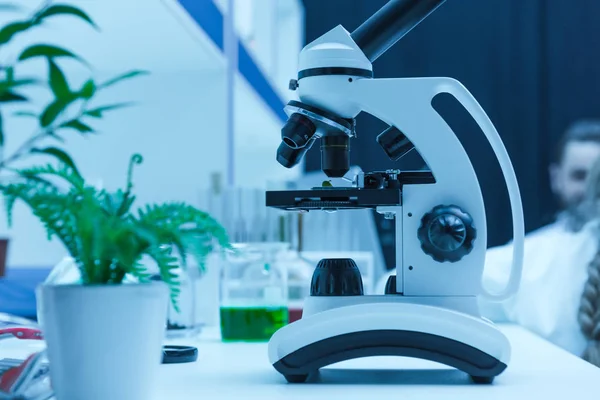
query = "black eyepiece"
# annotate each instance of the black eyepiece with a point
(335, 155)
(297, 138)
(297, 131)
(289, 157)
(394, 143)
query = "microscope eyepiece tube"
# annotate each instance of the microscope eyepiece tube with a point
(388, 25)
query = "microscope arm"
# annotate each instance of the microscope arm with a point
(467, 100)
(406, 105)
(380, 32)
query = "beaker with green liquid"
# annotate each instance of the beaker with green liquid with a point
(254, 292)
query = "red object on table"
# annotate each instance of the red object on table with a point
(10, 377)
(21, 333)
(294, 314)
(12, 380)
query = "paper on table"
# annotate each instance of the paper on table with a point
(65, 272)
(25, 380)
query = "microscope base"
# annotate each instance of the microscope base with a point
(472, 345)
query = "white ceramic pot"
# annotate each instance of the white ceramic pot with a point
(105, 341)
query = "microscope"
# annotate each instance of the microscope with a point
(430, 307)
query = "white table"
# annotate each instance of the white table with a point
(538, 370)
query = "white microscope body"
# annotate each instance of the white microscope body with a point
(430, 307)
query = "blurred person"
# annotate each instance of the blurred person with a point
(576, 153)
(560, 258)
(589, 306)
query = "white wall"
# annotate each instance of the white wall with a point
(257, 137)
(273, 32)
(289, 41)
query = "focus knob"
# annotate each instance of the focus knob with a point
(447, 233)
(336, 277)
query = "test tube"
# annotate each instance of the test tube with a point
(240, 232)
(256, 231)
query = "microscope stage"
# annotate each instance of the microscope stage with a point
(383, 188)
(333, 198)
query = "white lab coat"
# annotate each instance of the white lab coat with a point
(554, 273)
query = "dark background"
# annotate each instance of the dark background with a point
(534, 65)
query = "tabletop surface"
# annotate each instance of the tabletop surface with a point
(538, 369)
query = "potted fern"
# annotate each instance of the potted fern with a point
(104, 338)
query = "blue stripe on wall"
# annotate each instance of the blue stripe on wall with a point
(259, 82)
(208, 16)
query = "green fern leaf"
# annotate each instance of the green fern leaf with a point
(127, 198)
(51, 207)
(187, 228)
(166, 265)
(139, 271)
(199, 246)
(9, 203)
(63, 171)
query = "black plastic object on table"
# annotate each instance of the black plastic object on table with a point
(179, 354)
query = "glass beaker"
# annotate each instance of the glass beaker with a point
(183, 321)
(300, 273)
(253, 292)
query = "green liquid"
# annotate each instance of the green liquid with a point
(251, 323)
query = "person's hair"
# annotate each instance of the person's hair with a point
(589, 308)
(584, 130)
